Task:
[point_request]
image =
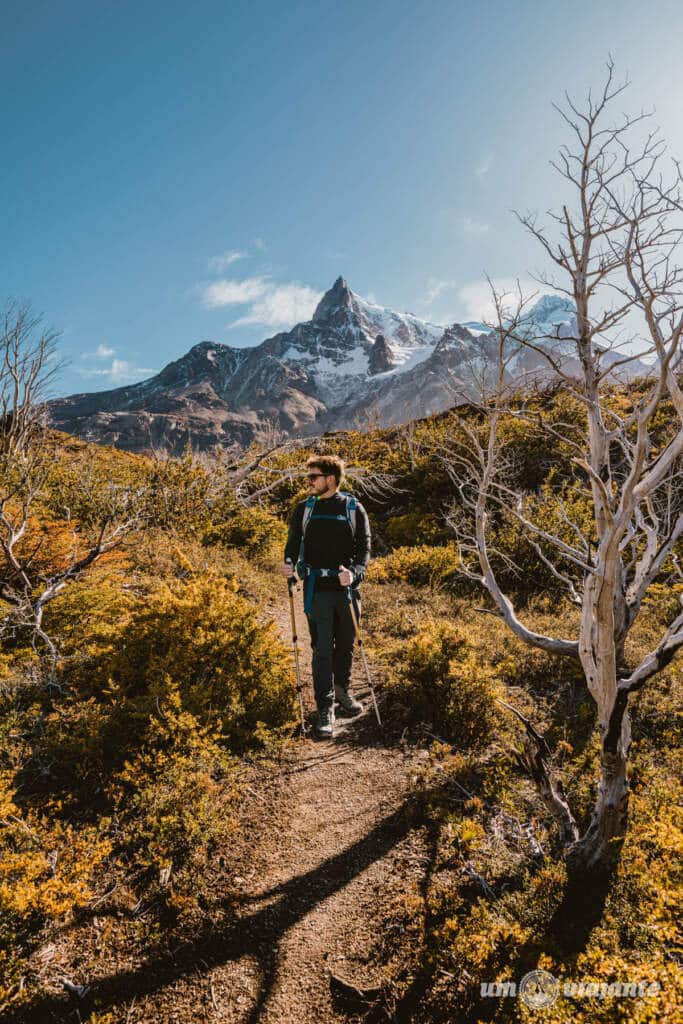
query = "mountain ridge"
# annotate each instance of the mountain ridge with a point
(352, 359)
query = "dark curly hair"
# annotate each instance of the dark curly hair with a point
(330, 465)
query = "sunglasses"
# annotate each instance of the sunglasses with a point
(313, 476)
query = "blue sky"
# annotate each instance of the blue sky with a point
(174, 172)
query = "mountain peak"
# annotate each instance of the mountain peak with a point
(381, 357)
(549, 306)
(203, 347)
(339, 296)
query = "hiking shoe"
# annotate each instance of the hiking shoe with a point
(346, 701)
(325, 723)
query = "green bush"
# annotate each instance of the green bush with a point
(253, 530)
(441, 678)
(420, 566)
(232, 672)
(413, 528)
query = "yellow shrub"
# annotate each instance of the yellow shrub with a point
(46, 871)
(126, 656)
(417, 565)
(87, 616)
(174, 798)
(253, 530)
(530, 925)
(440, 677)
(414, 528)
(231, 671)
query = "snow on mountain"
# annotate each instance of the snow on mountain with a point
(405, 332)
(549, 312)
(357, 323)
(337, 345)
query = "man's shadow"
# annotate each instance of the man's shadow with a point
(257, 935)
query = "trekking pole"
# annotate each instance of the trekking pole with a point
(291, 583)
(356, 627)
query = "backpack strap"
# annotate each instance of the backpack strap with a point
(351, 506)
(308, 511)
(351, 509)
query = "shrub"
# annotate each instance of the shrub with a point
(441, 677)
(147, 725)
(253, 530)
(537, 671)
(534, 924)
(232, 672)
(87, 616)
(413, 528)
(174, 799)
(663, 601)
(419, 566)
(180, 494)
(46, 868)
(197, 638)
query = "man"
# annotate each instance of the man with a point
(334, 558)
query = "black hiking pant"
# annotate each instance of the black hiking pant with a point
(332, 636)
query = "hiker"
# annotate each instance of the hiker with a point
(329, 540)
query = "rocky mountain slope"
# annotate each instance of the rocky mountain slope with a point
(354, 361)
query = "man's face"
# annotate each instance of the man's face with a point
(318, 483)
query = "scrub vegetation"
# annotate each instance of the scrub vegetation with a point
(122, 763)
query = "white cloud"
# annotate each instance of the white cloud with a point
(282, 306)
(271, 304)
(101, 352)
(477, 301)
(222, 262)
(484, 166)
(121, 371)
(228, 292)
(474, 228)
(217, 264)
(435, 289)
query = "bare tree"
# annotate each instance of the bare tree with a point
(259, 470)
(406, 432)
(28, 450)
(616, 252)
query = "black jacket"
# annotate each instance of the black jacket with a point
(328, 543)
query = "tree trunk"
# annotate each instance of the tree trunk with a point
(599, 847)
(602, 651)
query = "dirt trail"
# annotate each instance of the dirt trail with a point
(327, 870)
(338, 843)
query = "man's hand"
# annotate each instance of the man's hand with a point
(345, 576)
(287, 569)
